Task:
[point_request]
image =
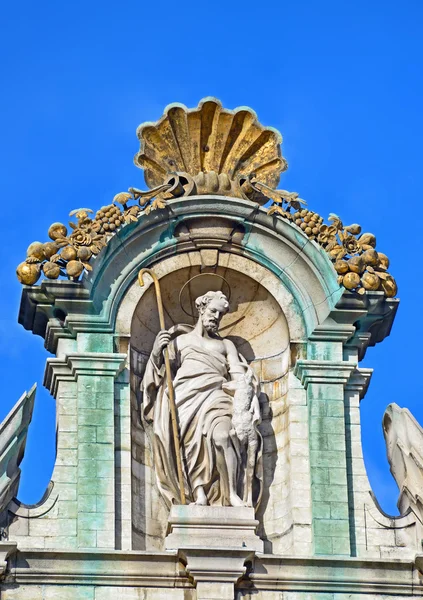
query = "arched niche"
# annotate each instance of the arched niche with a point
(258, 326)
(229, 225)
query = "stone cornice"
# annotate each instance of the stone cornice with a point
(97, 567)
(359, 381)
(318, 371)
(269, 572)
(332, 332)
(360, 341)
(360, 576)
(74, 365)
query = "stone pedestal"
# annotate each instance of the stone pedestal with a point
(221, 527)
(215, 542)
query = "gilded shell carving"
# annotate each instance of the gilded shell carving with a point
(210, 139)
(208, 150)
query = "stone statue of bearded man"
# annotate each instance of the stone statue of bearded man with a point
(218, 412)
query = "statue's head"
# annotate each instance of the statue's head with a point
(211, 308)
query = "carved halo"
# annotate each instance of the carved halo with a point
(199, 285)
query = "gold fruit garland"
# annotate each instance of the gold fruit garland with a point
(359, 266)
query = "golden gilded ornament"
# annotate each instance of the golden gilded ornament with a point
(367, 239)
(208, 140)
(68, 253)
(84, 253)
(74, 268)
(50, 249)
(51, 270)
(208, 150)
(57, 231)
(28, 274)
(371, 257)
(389, 287)
(370, 281)
(341, 267)
(36, 250)
(351, 281)
(384, 260)
(356, 264)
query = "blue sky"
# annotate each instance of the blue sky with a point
(342, 81)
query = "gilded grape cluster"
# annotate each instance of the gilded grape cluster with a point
(110, 218)
(308, 221)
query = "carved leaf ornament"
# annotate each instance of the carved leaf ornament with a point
(207, 150)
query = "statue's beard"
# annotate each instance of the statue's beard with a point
(210, 325)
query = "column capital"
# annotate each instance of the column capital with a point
(320, 371)
(74, 365)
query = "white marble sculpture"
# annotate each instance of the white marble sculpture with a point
(404, 446)
(218, 413)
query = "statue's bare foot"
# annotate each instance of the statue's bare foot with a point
(200, 497)
(235, 500)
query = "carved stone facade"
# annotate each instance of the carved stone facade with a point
(103, 530)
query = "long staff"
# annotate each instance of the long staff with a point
(171, 392)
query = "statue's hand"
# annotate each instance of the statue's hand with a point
(161, 341)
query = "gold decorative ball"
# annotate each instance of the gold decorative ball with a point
(74, 268)
(51, 270)
(28, 274)
(84, 253)
(57, 230)
(370, 281)
(368, 239)
(341, 267)
(351, 281)
(389, 287)
(356, 264)
(36, 250)
(68, 253)
(50, 248)
(371, 257)
(383, 260)
(355, 229)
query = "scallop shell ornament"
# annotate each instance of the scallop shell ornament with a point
(215, 149)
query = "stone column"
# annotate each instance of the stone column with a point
(90, 379)
(324, 381)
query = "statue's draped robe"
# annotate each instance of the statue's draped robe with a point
(198, 376)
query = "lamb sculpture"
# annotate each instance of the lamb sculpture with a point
(244, 433)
